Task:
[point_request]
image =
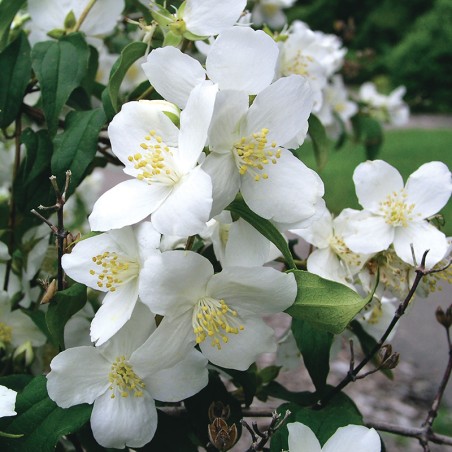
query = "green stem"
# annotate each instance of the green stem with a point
(82, 17)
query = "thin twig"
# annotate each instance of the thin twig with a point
(82, 17)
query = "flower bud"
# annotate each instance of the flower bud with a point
(50, 291)
(221, 435)
(24, 355)
(445, 318)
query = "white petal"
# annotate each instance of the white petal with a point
(246, 247)
(7, 401)
(172, 283)
(78, 375)
(4, 255)
(319, 232)
(187, 209)
(289, 194)
(326, 264)
(124, 421)
(424, 237)
(210, 17)
(148, 239)
(242, 59)
(242, 348)
(173, 74)
(283, 108)
(230, 107)
(127, 203)
(368, 234)
(128, 129)
(429, 189)
(195, 122)
(353, 437)
(374, 181)
(225, 180)
(115, 311)
(102, 17)
(260, 290)
(125, 241)
(302, 439)
(24, 329)
(183, 380)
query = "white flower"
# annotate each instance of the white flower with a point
(222, 312)
(168, 184)
(247, 153)
(202, 17)
(354, 438)
(123, 377)
(333, 259)
(7, 401)
(270, 12)
(48, 15)
(112, 263)
(389, 108)
(4, 255)
(397, 215)
(237, 243)
(16, 328)
(240, 58)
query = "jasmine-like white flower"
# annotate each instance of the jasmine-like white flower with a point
(16, 328)
(394, 214)
(123, 377)
(222, 312)
(248, 154)
(391, 109)
(168, 183)
(112, 262)
(237, 243)
(356, 438)
(333, 259)
(50, 15)
(7, 401)
(240, 58)
(270, 12)
(199, 18)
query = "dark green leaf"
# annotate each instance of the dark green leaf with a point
(339, 412)
(269, 373)
(76, 147)
(265, 227)
(319, 141)
(40, 420)
(16, 66)
(63, 306)
(16, 382)
(60, 67)
(32, 186)
(327, 305)
(368, 343)
(314, 345)
(276, 390)
(246, 381)
(8, 10)
(129, 55)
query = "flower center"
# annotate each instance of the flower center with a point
(338, 245)
(123, 378)
(299, 64)
(156, 164)
(253, 152)
(113, 270)
(395, 209)
(214, 318)
(6, 333)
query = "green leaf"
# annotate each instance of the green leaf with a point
(276, 390)
(129, 55)
(265, 227)
(40, 420)
(16, 382)
(15, 62)
(63, 306)
(32, 186)
(60, 67)
(8, 9)
(314, 345)
(319, 141)
(339, 412)
(39, 319)
(246, 381)
(368, 343)
(327, 305)
(76, 147)
(370, 132)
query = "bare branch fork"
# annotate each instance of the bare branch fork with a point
(58, 230)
